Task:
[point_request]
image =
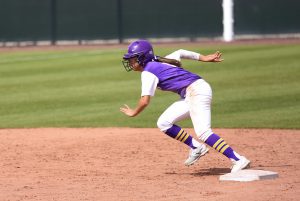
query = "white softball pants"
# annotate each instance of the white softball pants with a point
(196, 105)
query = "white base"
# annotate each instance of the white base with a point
(249, 175)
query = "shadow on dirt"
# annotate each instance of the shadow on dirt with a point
(211, 171)
(205, 172)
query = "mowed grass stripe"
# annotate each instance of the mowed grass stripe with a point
(256, 86)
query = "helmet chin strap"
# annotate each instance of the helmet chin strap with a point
(140, 60)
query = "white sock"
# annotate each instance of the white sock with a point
(196, 143)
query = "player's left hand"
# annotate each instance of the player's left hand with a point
(127, 111)
(216, 57)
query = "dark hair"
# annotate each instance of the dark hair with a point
(169, 61)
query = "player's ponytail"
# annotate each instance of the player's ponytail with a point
(169, 61)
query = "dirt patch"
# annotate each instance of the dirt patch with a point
(141, 164)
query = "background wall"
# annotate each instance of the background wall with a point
(35, 20)
(267, 16)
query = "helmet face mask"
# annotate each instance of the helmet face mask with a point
(131, 63)
(127, 65)
(141, 49)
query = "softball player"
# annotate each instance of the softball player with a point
(195, 103)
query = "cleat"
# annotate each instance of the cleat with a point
(195, 154)
(243, 163)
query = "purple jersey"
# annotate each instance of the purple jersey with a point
(171, 78)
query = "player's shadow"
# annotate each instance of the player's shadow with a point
(211, 171)
(206, 172)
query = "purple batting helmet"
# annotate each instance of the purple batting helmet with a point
(141, 49)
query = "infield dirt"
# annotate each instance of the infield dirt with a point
(141, 164)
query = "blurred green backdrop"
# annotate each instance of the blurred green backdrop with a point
(45, 20)
(257, 86)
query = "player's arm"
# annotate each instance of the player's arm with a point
(186, 54)
(142, 104)
(149, 84)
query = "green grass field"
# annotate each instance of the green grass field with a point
(257, 86)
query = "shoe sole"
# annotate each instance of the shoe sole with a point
(194, 161)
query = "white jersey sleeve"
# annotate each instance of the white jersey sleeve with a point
(183, 54)
(149, 83)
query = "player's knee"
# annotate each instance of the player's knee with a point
(163, 125)
(203, 134)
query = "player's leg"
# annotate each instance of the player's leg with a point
(198, 98)
(177, 112)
